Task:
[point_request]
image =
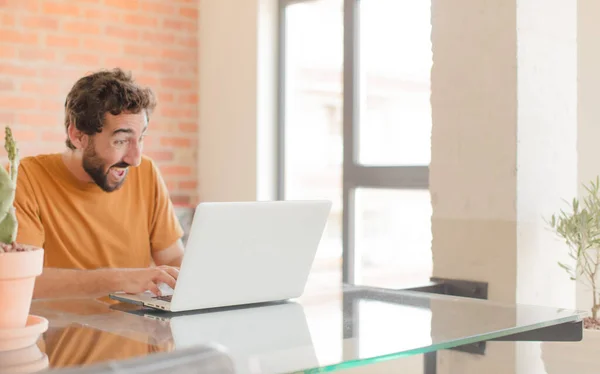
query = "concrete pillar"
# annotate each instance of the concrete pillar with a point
(504, 153)
(473, 179)
(503, 144)
(237, 99)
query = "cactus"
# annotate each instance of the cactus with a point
(8, 184)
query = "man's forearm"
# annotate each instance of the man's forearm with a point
(176, 262)
(58, 283)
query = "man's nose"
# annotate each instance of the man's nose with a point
(134, 154)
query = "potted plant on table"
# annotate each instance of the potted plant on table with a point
(19, 264)
(580, 230)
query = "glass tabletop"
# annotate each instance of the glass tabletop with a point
(361, 325)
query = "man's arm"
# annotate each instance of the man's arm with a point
(170, 256)
(61, 283)
(56, 283)
(165, 229)
(30, 228)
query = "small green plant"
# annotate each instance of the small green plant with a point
(8, 185)
(580, 229)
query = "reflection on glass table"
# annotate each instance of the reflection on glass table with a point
(205, 359)
(364, 326)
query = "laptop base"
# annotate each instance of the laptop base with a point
(144, 299)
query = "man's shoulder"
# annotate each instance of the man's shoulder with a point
(147, 171)
(35, 173)
(40, 160)
(146, 176)
(39, 163)
(147, 166)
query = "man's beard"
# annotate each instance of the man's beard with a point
(94, 167)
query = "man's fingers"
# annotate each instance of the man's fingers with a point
(152, 287)
(163, 276)
(172, 271)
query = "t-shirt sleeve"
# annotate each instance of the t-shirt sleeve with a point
(30, 230)
(165, 228)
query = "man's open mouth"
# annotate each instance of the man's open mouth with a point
(118, 172)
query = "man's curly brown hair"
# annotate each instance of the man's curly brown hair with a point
(113, 91)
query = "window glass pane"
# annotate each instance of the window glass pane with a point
(392, 237)
(313, 122)
(395, 61)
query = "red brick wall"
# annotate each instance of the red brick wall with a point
(45, 45)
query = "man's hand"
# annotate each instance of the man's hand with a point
(140, 280)
(60, 283)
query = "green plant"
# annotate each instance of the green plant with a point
(8, 184)
(580, 228)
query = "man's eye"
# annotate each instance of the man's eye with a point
(120, 142)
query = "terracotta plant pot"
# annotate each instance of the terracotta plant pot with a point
(18, 271)
(25, 360)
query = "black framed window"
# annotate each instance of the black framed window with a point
(355, 128)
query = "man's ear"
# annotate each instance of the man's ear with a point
(78, 138)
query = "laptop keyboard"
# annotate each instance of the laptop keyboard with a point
(163, 298)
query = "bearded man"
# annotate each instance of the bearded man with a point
(100, 209)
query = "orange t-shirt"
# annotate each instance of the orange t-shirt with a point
(82, 227)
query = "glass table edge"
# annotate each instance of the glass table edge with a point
(436, 347)
(350, 289)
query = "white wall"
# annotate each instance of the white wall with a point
(588, 109)
(546, 146)
(237, 99)
(546, 156)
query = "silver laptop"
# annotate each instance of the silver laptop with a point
(240, 253)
